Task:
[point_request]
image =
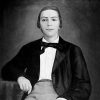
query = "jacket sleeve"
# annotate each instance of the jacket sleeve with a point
(15, 67)
(80, 87)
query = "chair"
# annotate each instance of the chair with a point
(10, 91)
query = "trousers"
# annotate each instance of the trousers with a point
(43, 90)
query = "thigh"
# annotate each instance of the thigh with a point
(41, 97)
(30, 98)
(46, 97)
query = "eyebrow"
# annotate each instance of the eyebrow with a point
(51, 17)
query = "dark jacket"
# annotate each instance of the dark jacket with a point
(69, 74)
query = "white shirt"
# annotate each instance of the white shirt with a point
(47, 61)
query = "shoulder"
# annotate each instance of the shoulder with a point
(69, 46)
(31, 46)
(74, 51)
(33, 43)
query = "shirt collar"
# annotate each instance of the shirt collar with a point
(55, 41)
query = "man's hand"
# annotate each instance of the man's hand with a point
(24, 84)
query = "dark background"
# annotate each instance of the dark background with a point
(81, 26)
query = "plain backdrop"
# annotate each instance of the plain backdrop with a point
(81, 26)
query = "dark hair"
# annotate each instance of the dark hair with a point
(47, 8)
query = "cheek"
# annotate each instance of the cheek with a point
(43, 25)
(43, 28)
(57, 26)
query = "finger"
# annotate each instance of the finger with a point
(21, 86)
(30, 88)
(29, 91)
(24, 87)
(27, 87)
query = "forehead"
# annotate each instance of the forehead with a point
(49, 13)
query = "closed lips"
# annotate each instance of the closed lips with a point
(49, 29)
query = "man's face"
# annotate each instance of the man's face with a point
(49, 22)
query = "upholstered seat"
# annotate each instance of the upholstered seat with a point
(10, 91)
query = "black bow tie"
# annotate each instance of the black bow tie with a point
(54, 45)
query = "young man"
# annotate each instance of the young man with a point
(50, 68)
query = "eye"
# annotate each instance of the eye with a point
(43, 20)
(54, 19)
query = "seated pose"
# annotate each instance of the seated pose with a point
(50, 68)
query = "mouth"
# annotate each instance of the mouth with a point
(49, 29)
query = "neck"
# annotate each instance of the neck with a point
(51, 40)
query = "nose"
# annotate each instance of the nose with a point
(49, 23)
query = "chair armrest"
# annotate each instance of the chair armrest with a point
(10, 90)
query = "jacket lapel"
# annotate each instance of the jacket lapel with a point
(60, 55)
(58, 58)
